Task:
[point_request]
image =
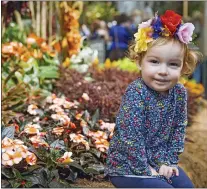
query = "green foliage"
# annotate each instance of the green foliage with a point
(13, 33)
(99, 10)
(126, 64)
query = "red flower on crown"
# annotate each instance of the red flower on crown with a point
(171, 20)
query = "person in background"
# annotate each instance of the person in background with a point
(136, 18)
(147, 13)
(85, 31)
(150, 126)
(120, 35)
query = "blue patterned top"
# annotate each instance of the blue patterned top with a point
(150, 130)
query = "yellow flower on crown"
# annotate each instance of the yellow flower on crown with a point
(142, 37)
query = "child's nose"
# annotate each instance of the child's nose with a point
(163, 70)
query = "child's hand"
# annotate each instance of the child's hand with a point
(153, 171)
(167, 171)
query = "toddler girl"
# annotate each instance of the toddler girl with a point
(150, 126)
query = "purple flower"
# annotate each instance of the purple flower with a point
(157, 27)
(185, 32)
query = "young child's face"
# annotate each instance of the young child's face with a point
(162, 65)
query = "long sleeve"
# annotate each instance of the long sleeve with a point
(175, 144)
(177, 139)
(127, 152)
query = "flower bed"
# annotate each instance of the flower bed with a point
(54, 143)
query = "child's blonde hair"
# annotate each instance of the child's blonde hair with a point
(191, 57)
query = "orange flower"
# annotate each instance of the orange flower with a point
(102, 145)
(32, 129)
(31, 159)
(38, 141)
(72, 125)
(83, 123)
(78, 116)
(10, 158)
(58, 130)
(98, 135)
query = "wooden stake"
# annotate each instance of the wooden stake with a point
(44, 20)
(50, 20)
(38, 18)
(31, 7)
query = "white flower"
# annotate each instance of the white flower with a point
(56, 108)
(85, 96)
(32, 109)
(36, 119)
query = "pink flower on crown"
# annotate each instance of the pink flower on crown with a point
(185, 32)
(145, 24)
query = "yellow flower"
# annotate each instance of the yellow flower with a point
(65, 159)
(142, 38)
(96, 62)
(66, 63)
(107, 63)
(78, 116)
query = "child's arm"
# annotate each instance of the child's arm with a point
(177, 135)
(177, 138)
(128, 138)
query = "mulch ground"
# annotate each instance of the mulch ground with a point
(193, 160)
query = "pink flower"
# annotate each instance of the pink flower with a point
(145, 24)
(185, 32)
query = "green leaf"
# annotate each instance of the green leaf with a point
(14, 183)
(8, 132)
(40, 177)
(5, 184)
(96, 152)
(31, 169)
(17, 173)
(58, 144)
(7, 172)
(76, 165)
(49, 61)
(27, 66)
(98, 167)
(90, 170)
(48, 72)
(95, 117)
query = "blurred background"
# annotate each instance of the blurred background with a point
(64, 71)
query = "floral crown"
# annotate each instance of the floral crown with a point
(167, 25)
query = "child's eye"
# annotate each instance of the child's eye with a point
(174, 64)
(154, 61)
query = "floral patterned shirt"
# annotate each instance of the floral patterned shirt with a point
(150, 130)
